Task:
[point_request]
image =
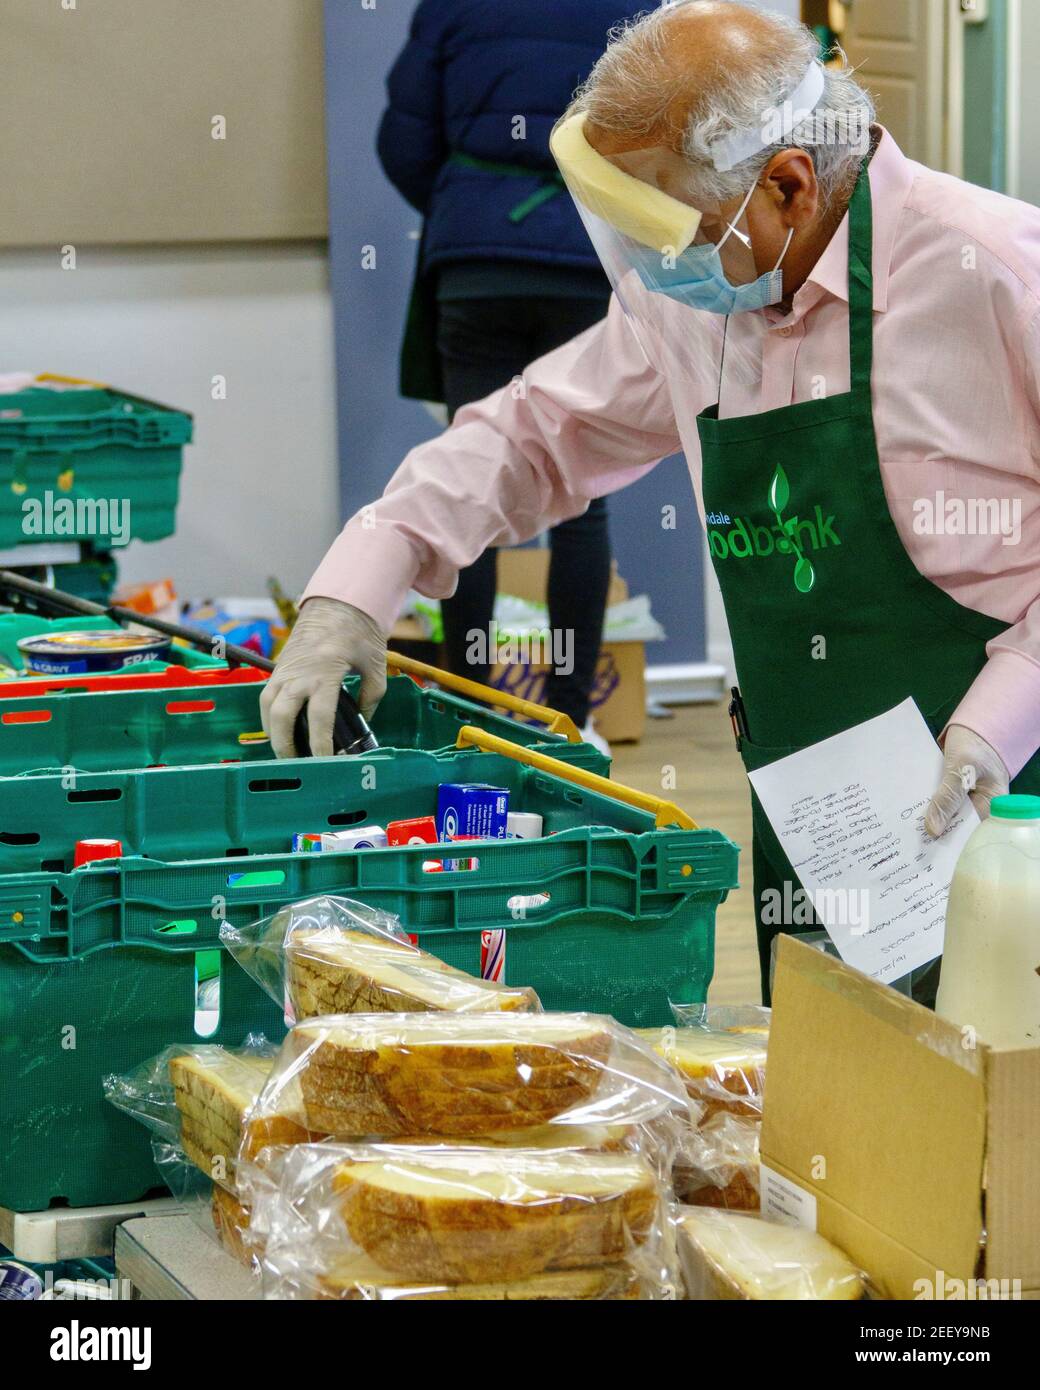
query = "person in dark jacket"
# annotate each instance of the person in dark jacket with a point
(506, 270)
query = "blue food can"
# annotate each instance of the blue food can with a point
(90, 653)
(19, 1283)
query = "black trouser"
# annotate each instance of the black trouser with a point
(483, 345)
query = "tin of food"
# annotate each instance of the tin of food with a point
(90, 653)
(19, 1283)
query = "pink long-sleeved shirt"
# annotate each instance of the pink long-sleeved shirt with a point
(956, 393)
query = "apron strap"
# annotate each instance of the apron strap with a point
(861, 288)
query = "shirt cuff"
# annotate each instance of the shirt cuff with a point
(371, 567)
(1003, 707)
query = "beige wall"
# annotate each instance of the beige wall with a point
(108, 109)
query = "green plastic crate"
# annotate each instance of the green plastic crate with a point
(93, 576)
(610, 914)
(143, 728)
(85, 446)
(15, 626)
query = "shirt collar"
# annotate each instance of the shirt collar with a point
(891, 177)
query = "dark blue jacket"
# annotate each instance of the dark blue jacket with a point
(472, 73)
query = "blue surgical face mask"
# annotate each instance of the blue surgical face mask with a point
(699, 280)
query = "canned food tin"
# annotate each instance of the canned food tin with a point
(18, 1283)
(90, 653)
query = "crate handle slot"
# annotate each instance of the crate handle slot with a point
(100, 794)
(206, 991)
(26, 716)
(259, 878)
(276, 784)
(14, 837)
(556, 722)
(527, 902)
(185, 927)
(665, 812)
(190, 707)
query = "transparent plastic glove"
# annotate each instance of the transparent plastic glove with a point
(972, 769)
(330, 638)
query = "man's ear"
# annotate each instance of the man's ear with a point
(790, 182)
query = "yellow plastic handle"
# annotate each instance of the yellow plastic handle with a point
(71, 380)
(665, 812)
(557, 723)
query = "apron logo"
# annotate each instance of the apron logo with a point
(794, 535)
(779, 496)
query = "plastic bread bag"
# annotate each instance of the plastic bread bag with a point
(330, 955)
(718, 1165)
(724, 1067)
(382, 1221)
(465, 1076)
(216, 1209)
(728, 1255)
(196, 1096)
(724, 1018)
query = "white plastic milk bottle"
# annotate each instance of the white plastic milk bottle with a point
(991, 959)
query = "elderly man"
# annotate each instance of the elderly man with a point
(845, 344)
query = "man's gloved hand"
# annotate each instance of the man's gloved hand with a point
(330, 638)
(972, 768)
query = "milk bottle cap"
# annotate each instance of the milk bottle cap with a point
(1015, 807)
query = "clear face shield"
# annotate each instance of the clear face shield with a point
(683, 269)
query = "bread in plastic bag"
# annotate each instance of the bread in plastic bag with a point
(383, 1221)
(728, 1255)
(465, 1075)
(196, 1095)
(332, 955)
(231, 1223)
(724, 1068)
(717, 1164)
(200, 1098)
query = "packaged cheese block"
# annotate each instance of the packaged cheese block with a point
(496, 1216)
(360, 1279)
(727, 1255)
(722, 1070)
(717, 1165)
(345, 972)
(454, 1076)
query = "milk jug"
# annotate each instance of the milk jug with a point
(991, 959)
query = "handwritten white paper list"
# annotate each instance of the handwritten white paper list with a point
(849, 813)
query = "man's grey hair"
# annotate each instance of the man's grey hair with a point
(636, 83)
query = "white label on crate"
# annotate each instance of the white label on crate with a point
(786, 1202)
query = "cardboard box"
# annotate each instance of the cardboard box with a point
(881, 1126)
(619, 693)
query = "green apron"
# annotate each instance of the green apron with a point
(831, 622)
(421, 378)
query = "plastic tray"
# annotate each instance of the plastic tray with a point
(142, 728)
